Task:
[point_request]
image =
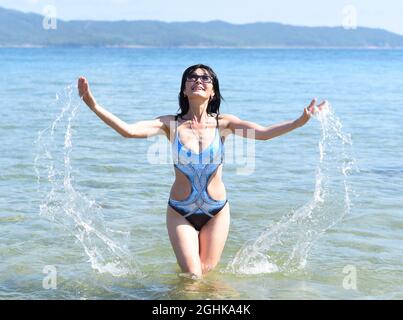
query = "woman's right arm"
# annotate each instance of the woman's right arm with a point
(141, 129)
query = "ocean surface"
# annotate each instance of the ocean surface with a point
(315, 214)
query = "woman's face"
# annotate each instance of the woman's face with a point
(199, 84)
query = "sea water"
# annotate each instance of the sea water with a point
(317, 215)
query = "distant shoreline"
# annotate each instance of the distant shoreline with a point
(215, 34)
(29, 46)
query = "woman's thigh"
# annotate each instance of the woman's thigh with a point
(185, 242)
(212, 238)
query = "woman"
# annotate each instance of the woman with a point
(198, 213)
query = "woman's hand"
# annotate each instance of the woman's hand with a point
(83, 87)
(309, 111)
(84, 92)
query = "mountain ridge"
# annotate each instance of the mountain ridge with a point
(18, 29)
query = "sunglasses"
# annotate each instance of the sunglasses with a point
(203, 78)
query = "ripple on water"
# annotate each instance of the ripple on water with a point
(12, 219)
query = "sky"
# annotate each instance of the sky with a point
(385, 14)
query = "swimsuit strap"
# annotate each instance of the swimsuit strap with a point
(218, 129)
(176, 127)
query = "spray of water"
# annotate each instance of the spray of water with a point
(63, 204)
(285, 246)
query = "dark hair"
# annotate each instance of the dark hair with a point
(213, 106)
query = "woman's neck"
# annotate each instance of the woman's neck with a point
(197, 111)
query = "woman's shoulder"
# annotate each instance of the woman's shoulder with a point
(167, 116)
(226, 118)
(169, 121)
(166, 119)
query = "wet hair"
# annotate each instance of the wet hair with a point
(213, 107)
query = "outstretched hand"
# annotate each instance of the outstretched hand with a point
(309, 111)
(83, 87)
(84, 92)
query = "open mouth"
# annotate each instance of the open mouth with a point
(195, 88)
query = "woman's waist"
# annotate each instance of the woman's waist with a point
(182, 189)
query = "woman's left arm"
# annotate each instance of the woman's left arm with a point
(252, 130)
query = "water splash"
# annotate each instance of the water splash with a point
(63, 204)
(285, 246)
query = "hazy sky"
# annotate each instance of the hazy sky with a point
(386, 14)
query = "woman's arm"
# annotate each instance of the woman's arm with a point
(252, 130)
(141, 129)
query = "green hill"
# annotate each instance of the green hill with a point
(25, 29)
